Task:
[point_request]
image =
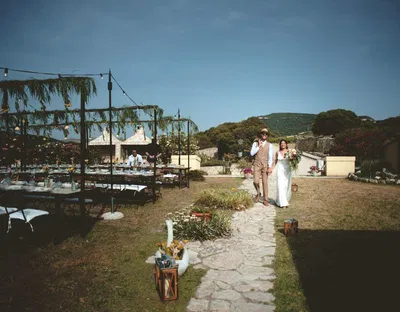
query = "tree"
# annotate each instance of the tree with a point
(360, 142)
(334, 121)
(227, 136)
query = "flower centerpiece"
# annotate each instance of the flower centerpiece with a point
(71, 171)
(294, 158)
(46, 170)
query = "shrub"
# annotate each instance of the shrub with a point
(213, 162)
(197, 175)
(370, 167)
(194, 228)
(225, 200)
(243, 163)
(362, 143)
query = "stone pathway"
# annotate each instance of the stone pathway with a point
(239, 275)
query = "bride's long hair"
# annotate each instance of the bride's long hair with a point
(280, 142)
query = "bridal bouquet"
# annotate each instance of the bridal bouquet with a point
(294, 158)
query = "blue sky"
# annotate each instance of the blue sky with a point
(220, 60)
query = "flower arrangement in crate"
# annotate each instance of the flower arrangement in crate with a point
(294, 158)
(174, 250)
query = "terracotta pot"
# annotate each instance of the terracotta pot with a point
(202, 215)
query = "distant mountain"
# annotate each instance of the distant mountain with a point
(284, 124)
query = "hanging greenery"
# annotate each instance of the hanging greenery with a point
(43, 90)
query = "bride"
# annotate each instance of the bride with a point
(283, 175)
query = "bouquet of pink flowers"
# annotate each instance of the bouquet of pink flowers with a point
(294, 158)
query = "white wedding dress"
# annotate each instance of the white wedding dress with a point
(283, 181)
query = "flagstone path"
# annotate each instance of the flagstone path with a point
(239, 274)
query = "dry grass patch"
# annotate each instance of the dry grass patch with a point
(345, 252)
(104, 270)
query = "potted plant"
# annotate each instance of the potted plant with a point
(203, 213)
(314, 170)
(247, 172)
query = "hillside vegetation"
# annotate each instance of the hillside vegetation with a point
(284, 124)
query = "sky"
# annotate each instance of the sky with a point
(215, 60)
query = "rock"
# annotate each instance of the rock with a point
(229, 277)
(259, 296)
(197, 305)
(228, 294)
(220, 306)
(243, 305)
(225, 260)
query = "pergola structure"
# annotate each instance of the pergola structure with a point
(82, 120)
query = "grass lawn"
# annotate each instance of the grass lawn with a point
(346, 256)
(103, 270)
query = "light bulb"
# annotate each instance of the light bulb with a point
(66, 127)
(5, 72)
(17, 128)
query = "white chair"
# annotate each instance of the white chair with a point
(6, 210)
(26, 215)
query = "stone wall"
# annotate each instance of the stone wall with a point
(211, 152)
(213, 170)
(380, 178)
(310, 143)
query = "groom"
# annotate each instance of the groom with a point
(263, 152)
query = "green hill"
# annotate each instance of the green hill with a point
(283, 124)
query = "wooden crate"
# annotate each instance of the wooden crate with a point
(166, 282)
(291, 226)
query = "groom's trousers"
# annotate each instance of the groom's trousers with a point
(260, 170)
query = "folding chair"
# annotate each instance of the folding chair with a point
(24, 214)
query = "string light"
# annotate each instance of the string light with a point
(60, 75)
(66, 127)
(17, 128)
(123, 91)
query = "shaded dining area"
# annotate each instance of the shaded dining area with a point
(41, 176)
